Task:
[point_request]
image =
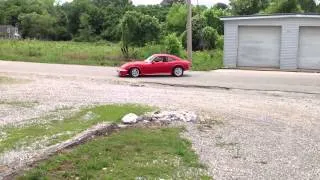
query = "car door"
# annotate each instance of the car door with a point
(170, 63)
(158, 66)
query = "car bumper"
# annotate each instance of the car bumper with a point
(122, 72)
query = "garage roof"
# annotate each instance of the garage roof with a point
(274, 16)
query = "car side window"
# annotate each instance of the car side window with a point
(170, 59)
(160, 59)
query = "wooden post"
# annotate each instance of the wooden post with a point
(189, 30)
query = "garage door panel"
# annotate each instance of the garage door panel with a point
(259, 46)
(309, 48)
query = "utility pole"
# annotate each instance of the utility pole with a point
(189, 30)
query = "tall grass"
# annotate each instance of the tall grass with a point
(207, 60)
(61, 52)
(99, 53)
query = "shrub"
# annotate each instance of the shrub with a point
(183, 38)
(173, 44)
(207, 60)
(220, 42)
(210, 37)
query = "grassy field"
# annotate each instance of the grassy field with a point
(129, 154)
(47, 132)
(100, 53)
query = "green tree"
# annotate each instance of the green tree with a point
(213, 16)
(114, 3)
(86, 32)
(105, 20)
(37, 26)
(248, 7)
(74, 10)
(110, 25)
(138, 29)
(14, 8)
(62, 21)
(284, 6)
(198, 23)
(2, 13)
(177, 18)
(221, 6)
(171, 2)
(158, 11)
(308, 5)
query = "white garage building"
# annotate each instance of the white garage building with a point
(286, 42)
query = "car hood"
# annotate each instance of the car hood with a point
(130, 64)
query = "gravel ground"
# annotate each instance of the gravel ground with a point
(247, 134)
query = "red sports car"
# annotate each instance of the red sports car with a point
(158, 64)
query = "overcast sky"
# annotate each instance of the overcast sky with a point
(202, 2)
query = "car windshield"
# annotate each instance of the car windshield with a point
(150, 59)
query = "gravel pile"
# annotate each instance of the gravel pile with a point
(161, 116)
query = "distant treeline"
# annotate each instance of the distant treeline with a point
(116, 20)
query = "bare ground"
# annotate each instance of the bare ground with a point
(247, 134)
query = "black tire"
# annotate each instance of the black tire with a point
(178, 71)
(134, 72)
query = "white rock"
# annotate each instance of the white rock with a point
(129, 118)
(169, 116)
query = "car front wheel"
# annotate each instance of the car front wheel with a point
(178, 71)
(134, 72)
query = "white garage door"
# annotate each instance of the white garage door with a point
(259, 46)
(309, 48)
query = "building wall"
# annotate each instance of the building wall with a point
(289, 38)
(4, 31)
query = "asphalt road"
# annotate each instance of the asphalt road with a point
(224, 79)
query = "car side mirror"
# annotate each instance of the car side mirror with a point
(152, 62)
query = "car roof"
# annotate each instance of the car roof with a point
(168, 55)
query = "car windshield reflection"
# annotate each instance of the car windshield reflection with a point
(149, 59)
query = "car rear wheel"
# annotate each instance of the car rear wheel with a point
(177, 71)
(134, 72)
